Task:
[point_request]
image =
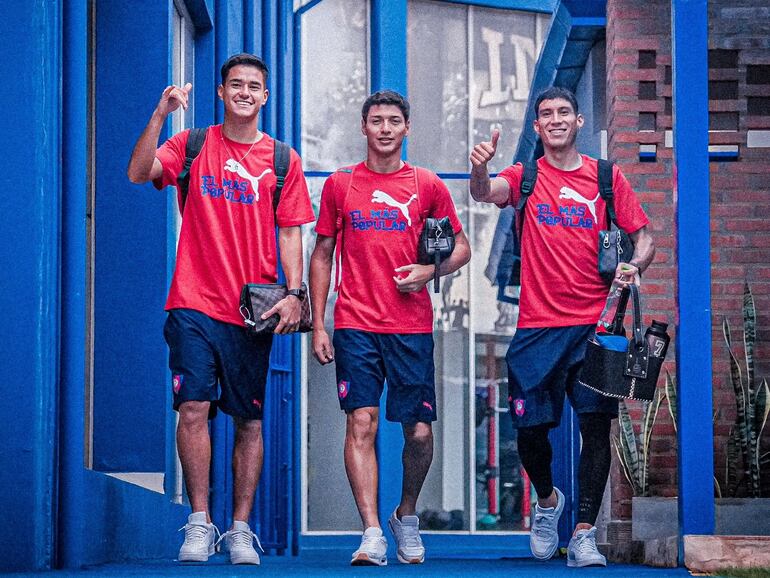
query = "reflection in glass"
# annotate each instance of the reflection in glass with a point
(334, 83)
(470, 71)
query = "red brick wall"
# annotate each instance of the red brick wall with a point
(633, 27)
(740, 193)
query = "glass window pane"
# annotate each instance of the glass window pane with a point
(470, 71)
(438, 85)
(505, 46)
(334, 83)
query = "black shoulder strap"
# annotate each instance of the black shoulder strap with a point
(527, 185)
(605, 188)
(194, 145)
(528, 180)
(281, 153)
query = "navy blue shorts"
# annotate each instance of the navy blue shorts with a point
(543, 365)
(218, 362)
(366, 360)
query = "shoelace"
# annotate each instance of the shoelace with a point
(241, 538)
(585, 543)
(367, 541)
(196, 533)
(538, 528)
(411, 537)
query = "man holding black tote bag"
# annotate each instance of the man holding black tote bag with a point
(226, 186)
(559, 218)
(373, 214)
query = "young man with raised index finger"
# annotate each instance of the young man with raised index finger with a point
(227, 239)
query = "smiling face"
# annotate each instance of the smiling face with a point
(385, 129)
(243, 92)
(557, 124)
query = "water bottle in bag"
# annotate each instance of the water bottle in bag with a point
(657, 339)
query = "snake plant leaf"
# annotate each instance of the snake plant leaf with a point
(731, 459)
(762, 408)
(749, 337)
(671, 398)
(621, 458)
(717, 488)
(650, 415)
(629, 445)
(736, 379)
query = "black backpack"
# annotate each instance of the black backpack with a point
(195, 144)
(527, 186)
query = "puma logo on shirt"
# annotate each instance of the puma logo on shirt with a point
(571, 194)
(379, 196)
(234, 166)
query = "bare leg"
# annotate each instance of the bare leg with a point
(248, 455)
(361, 462)
(194, 447)
(416, 458)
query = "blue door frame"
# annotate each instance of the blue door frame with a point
(388, 59)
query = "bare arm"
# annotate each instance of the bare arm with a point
(288, 308)
(482, 188)
(143, 165)
(320, 279)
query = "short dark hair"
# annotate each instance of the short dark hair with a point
(556, 92)
(385, 97)
(245, 59)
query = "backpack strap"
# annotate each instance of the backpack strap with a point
(422, 177)
(605, 190)
(526, 187)
(342, 184)
(281, 157)
(195, 141)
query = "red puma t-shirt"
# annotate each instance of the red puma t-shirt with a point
(560, 282)
(228, 227)
(382, 217)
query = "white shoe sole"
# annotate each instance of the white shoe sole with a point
(576, 564)
(193, 557)
(244, 560)
(410, 559)
(363, 559)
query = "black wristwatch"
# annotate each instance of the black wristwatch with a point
(300, 293)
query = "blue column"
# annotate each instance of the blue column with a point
(690, 91)
(73, 282)
(388, 58)
(30, 294)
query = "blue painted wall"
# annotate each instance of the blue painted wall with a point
(30, 295)
(57, 512)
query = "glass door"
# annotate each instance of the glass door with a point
(469, 70)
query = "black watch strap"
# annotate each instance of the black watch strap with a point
(298, 293)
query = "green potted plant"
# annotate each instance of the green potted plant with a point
(743, 506)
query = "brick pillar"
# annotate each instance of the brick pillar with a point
(639, 113)
(638, 116)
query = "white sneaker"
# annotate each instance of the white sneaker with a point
(238, 541)
(200, 539)
(373, 549)
(582, 550)
(407, 533)
(544, 535)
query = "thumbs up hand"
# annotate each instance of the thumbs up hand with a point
(485, 151)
